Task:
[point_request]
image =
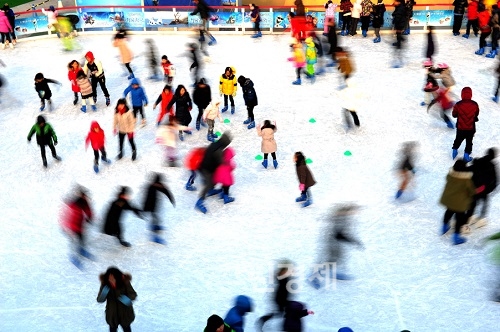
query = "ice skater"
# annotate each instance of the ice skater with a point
(85, 90)
(212, 112)
(466, 111)
(152, 59)
(378, 19)
(45, 135)
(228, 85)
(94, 67)
(73, 69)
(192, 162)
(183, 106)
(250, 97)
(202, 96)
(442, 97)
(216, 324)
(268, 144)
(204, 11)
(294, 311)
(346, 66)
(96, 138)
(305, 177)
(483, 19)
(124, 125)
(405, 167)
(139, 98)
(299, 60)
(166, 135)
(255, 18)
(43, 90)
(168, 70)
(400, 21)
(126, 55)
(236, 315)
(163, 99)
(224, 174)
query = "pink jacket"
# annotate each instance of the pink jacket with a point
(4, 23)
(224, 173)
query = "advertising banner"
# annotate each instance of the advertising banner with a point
(28, 25)
(166, 19)
(108, 19)
(441, 17)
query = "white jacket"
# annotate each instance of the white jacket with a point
(167, 135)
(356, 9)
(51, 16)
(350, 96)
(100, 71)
(212, 111)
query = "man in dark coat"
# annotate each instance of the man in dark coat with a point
(211, 160)
(466, 111)
(112, 224)
(204, 11)
(458, 15)
(150, 203)
(483, 174)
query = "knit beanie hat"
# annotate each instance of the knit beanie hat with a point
(213, 323)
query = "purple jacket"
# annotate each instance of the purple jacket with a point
(4, 22)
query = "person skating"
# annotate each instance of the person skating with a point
(399, 21)
(228, 85)
(45, 135)
(345, 14)
(442, 97)
(483, 19)
(405, 167)
(330, 10)
(458, 15)
(139, 98)
(96, 138)
(5, 30)
(299, 60)
(152, 59)
(472, 19)
(11, 16)
(93, 69)
(85, 90)
(167, 135)
(255, 18)
(294, 311)
(306, 179)
(73, 69)
(212, 112)
(466, 111)
(202, 96)
(183, 106)
(168, 70)
(268, 145)
(250, 97)
(43, 90)
(126, 55)
(495, 31)
(204, 11)
(224, 174)
(378, 19)
(355, 15)
(216, 324)
(118, 293)
(112, 221)
(124, 125)
(366, 12)
(236, 315)
(163, 99)
(155, 187)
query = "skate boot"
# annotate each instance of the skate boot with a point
(298, 81)
(108, 101)
(56, 157)
(197, 125)
(495, 99)
(94, 108)
(445, 229)
(465, 35)
(44, 160)
(190, 187)
(454, 153)
(457, 239)
(251, 125)
(228, 199)
(96, 168)
(84, 109)
(233, 109)
(134, 155)
(480, 51)
(467, 157)
(275, 163)
(42, 105)
(95, 99)
(212, 41)
(210, 138)
(492, 54)
(181, 136)
(264, 163)
(200, 206)
(75, 101)
(247, 121)
(224, 109)
(301, 198)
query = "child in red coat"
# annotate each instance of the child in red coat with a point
(224, 174)
(163, 99)
(73, 69)
(442, 97)
(96, 139)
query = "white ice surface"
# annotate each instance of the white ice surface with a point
(408, 277)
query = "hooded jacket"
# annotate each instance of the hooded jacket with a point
(466, 111)
(202, 95)
(224, 172)
(95, 68)
(212, 111)
(472, 10)
(268, 144)
(484, 172)
(311, 56)
(95, 138)
(304, 175)
(249, 94)
(458, 191)
(155, 187)
(124, 122)
(293, 313)
(138, 94)
(45, 135)
(235, 317)
(78, 210)
(72, 77)
(213, 154)
(228, 84)
(116, 311)
(4, 23)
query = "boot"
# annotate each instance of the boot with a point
(84, 109)
(445, 229)
(467, 157)
(42, 105)
(108, 101)
(125, 243)
(86, 254)
(210, 138)
(307, 202)
(457, 239)
(251, 125)
(224, 109)
(120, 155)
(275, 163)
(449, 124)
(212, 41)
(200, 206)
(495, 99)
(197, 125)
(364, 33)
(492, 54)
(181, 136)
(298, 81)
(213, 192)
(342, 33)
(75, 101)
(189, 132)
(76, 262)
(94, 108)
(228, 199)
(399, 193)
(103, 158)
(96, 168)
(233, 109)
(264, 163)
(134, 155)
(129, 77)
(480, 51)
(301, 198)
(454, 153)
(155, 238)
(190, 187)
(465, 35)
(44, 160)
(56, 157)
(95, 99)
(377, 40)
(247, 121)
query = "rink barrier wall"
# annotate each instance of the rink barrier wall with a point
(225, 19)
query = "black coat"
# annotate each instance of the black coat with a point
(249, 94)
(281, 294)
(202, 9)
(399, 17)
(183, 107)
(202, 96)
(213, 154)
(484, 173)
(430, 45)
(112, 224)
(42, 88)
(293, 314)
(152, 196)
(378, 15)
(460, 6)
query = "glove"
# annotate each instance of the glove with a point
(125, 300)
(480, 189)
(302, 187)
(55, 143)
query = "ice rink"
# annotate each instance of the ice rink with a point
(408, 277)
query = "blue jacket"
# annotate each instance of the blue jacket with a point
(138, 95)
(234, 317)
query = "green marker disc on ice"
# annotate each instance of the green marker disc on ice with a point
(312, 120)
(308, 161)
(347, 153)
(226, 121)
(258, 157)
(218, 133)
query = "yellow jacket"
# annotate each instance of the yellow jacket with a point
(228, 84)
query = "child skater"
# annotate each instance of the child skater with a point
(96, 138)
(43, 90)
(431, 83)
(45, 135)
(202, 96)
(405, 167)
(378, 19)
(311, 58)
(330, 9)
(168, 70)
(192, 162)
(93, 69)
(443, 73)
(305, 177)
(299, 60)
(73, 69)
(163, 99)
(126, 54)
(166, 135)
(268, 145)
(294, 311)
(73, 218)
(211, 113)
(442, 97)
(224, 174)
(350, 97)
(250, 97)
(227, 87)
(85, 90)
(124, 125)
(346, 67)
(152, 59)
(183, 106)
(139, 98)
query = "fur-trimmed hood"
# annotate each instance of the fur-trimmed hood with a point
(460, 175)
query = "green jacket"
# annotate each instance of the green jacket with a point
(44, 135)
(227, 328)
(458, 192)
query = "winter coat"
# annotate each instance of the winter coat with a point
(356, 9)
(212, 112)
(126, 54)
(409, 8)
(281, 293)
(44, 135)
(345, 65)
(163, 99)
(224, 172)
(77, 211)
(213, 154)
(294, 311)
(124, 123)
(202, 9)
(138, 95)
(466, 111)
(459, 6)
(445, 76)
(484, 21)
(345, 6)
(444, 99)
(304, 175)
(495, 19)
(484, 173)
(167, 135)
(85, 86)
(330, 9)
(311, 56)
(95, 69)
(472, 10)
(202, 96)
(168, 69)
(255, 14)
(183, 107)
(366, 7)
(268, 144)
(228, 84)
(458, 191)
(378, 15)
(95, 138)
(299, 57)
(72, 77)
(151, 199)
(42, 88)
(399, 17)
(51, 16)
(117, 313)
(350, 96)
(249, 94)
(11, 17)
(112, 221)
(235, 317)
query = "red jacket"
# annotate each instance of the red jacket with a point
(95, 137)
(472, 10)
(444, 99)
(484, 21)
(466, 111)
(72, 78)
(75, 214)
